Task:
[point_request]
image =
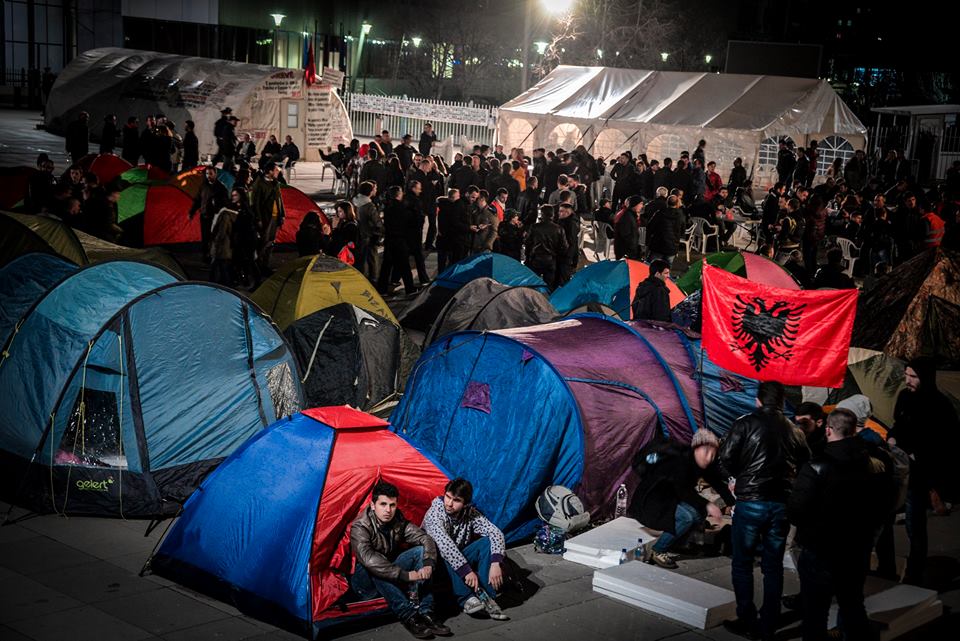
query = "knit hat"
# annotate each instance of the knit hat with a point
(704, 437)
(858, 404)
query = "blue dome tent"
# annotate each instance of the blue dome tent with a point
(425, 308)
(268, 531)
(120, 387)
(23, 281)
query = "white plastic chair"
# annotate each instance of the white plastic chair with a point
(602, 240)
(846, 246)
(704, 231)
(688, 239)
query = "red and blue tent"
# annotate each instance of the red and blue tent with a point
(612, 283)
(268, 530)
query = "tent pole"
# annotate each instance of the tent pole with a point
(528, 135)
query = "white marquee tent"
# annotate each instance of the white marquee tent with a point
(662, 113)
(267, 100)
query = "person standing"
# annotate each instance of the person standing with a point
(108, 135)
(453, 229)
(651, 301)
(761, 455)
(370, 230)
(223, 135)
(210, 199)
(626, 227)
(415, 218)
(385, 569)
(396, 254)
(664, 230)
(267, 206)
(130, 141)
(838, 501)
(77, 139)
(427, 139)
(925, 426)
(472, 548)
(544, 244)
(191, 147)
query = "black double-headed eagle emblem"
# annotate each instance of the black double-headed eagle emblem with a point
(765, 331)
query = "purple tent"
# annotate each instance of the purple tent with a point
(566, 403)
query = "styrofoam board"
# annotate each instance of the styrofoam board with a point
(929, 613)
(900, 609)
(667, 593)
(609, 539)
(591, 560)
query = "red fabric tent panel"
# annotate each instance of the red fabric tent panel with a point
(296, 204)
(16, 183)
(105, 166)
(344, 417)
(155, 173)
(358, 459)
(166, 217)
(639, 272)
(763, 270)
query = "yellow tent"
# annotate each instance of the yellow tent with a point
(303, 286)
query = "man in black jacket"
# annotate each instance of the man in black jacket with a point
(838, 500)
(108, 135)
(664, 230)
(544, 244)
(667, 499)
(761, 453)
(652, 298)
(529, 201)
(211, 198)
(191, 147)
(453, 225)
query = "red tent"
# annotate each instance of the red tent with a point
(166, 217)
(16, 181)
(105, 166)
(296, 204)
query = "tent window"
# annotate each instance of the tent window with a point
(293, 115)
(666, 146)
(92, 436)
(610, 143)
(831, 148)
(566, 135)
(518, 132)
(769, 149)
(283, 391)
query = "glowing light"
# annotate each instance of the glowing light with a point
(557, 7)
(277, 18)
(365, 28)
(600, 53)
(664, 55)
(541, 47)
(707, 58)
(416, 40)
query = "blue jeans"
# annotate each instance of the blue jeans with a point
(918, 498)
(368, 586)
(478, 556)
(686, 516)
(763, 526)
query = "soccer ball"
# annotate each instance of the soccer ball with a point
(561, 508)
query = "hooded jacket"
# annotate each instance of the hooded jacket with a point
(652, 300)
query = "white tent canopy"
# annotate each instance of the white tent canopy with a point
(661, 113)
(267, 100)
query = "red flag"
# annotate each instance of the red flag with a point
(773, 334)
(310, 71)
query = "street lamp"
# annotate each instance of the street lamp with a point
(277, 19)
(365, 28)
(600, 53)
(557, 7)
(707, 58)
(541, 47)
(416, 40)
(664, 55)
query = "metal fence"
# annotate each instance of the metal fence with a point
(410, 114)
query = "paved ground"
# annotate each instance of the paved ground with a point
(76, 578)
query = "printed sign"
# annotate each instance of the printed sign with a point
(332, 77)
(446, 112)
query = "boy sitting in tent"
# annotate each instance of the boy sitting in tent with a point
(466, 540)
(400, 577)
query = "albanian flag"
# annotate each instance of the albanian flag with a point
(773, 334)
(309, 67)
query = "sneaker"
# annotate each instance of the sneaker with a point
(663, 560)
(438, 629)
(472, 605)
(416, 627)
(742, 628)
(493, 609)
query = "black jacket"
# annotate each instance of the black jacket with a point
(211, 198)
(191, 150)
(453, 226)
(652, 300)
(108, 138)
(550, 174)
(668, 476)
(626, 236)
(396, 223)
(509, 240)
(627, 182)
(545, 243)
(405, 155)
(763, 451)
(464, 177)
(664, 231)
(131, 144)
(840, 497)
(528, 205)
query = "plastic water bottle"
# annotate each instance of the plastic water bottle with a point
(623, 556)
(621, 508)
(638, 551)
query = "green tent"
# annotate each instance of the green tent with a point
(750, 266)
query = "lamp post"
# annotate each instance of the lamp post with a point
(556, 8)
(277, 19)
(365, 28)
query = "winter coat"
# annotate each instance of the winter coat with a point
(626, 236)
(376, 545)
(396, 221)
(545, 242)
(453, 533)
(210, 199)
(453, 226)
(369, 224)
(484, 239)
(191, 150)
(221, 244)
(108, 138)
(651, 301)
(763, 451)
(528, 204)
(664, 231)
(840, 497)
(266, 203)
(627, 182)
(668, 476)
(509, 240)
(310, 238)
(464, 178)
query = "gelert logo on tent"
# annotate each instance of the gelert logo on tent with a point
(96, 486)
(765, 332)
